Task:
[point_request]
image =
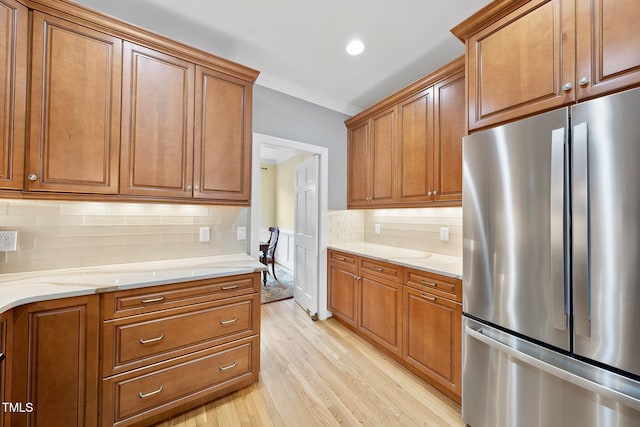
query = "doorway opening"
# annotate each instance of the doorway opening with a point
(294, 244)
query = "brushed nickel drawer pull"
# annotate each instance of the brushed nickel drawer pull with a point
(339, 258)
(228, 322)
(151, 393)
(425, 296)
(147, 301)
(228, 288)
(424, 282)
(225, 368)
(150, 340)
(377, 269)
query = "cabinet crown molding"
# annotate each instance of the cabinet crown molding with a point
(485, 16)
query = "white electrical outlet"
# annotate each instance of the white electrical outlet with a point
(444, 234)
(242, 233)
(376, 229)
(205, 234)
(8, 241)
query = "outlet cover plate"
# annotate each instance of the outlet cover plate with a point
(242, 233)
(8, 241)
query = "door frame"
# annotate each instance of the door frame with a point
(323, 201)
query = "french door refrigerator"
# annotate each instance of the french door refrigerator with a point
(551, 268)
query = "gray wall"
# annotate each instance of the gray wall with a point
(278, 114)
(274, 113)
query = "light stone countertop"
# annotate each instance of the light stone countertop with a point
(22, 288)
(425, 261)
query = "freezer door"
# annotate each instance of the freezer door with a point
(514, 222)
(606, 230)
(508, 382)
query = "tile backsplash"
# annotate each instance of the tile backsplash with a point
(417, 229)
(53, 234)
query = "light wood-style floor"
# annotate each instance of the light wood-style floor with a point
(322, 374)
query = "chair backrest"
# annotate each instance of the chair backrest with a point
(273, 240)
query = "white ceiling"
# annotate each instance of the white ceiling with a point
(299, 46)
(272, 155)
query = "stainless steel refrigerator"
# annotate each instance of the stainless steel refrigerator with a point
(551, 268)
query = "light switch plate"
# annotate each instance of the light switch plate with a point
(376, 229)
(205, 234)
(444, 234)
(8, 241)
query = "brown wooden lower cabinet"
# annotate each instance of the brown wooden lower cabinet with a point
(412, 315)
(55, 362)
(6, 350)
(165, 349)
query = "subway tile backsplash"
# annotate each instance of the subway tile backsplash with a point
(54, 234)
(417, 229)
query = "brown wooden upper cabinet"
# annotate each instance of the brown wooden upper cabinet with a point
(407, 149)
(161, 156)
(75, 108)
(528, 56)
(372, 160)
(13, 92)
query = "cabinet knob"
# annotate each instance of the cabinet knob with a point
(32, 177)
(567, 87)
(435, 192)
(196, 188)
(189, 188)
(430, 193)
(583, 81)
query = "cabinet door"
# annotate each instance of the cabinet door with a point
(357, 167)
(416, 148)
(13, 92)
(222, 147)
(433, 336)
(449, 129)
(56, 362)
(157, 124)
(381, 313)
(608, 39)
(518, 65)
(343, 293)
(6, 349)
(75, 108)
(382, 158)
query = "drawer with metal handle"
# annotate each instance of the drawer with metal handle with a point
(147, 300)
(342, 257)
(134, 395)
(380, 269)
(439, 285)
(140, 340)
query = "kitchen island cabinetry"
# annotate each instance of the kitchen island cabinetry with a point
(579, 49)
(169, 348)
(75, 108)
(413, 315)
(13, 93)
(55, 362)
(406, 150)
(6, 356)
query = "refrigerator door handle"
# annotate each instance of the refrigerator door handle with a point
(580, 225)
(554, 370)
(556, 231)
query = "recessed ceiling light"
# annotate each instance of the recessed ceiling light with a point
(355, 47)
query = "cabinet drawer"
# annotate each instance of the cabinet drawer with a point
(140, 340)
(146, 300)
(443, 286)
(135, 396)
(380, 269)
(343, 258)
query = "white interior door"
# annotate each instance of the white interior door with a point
(305, 290)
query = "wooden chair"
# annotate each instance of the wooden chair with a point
(268, 256)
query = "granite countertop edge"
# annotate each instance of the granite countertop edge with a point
(17, 289)
(424, 261)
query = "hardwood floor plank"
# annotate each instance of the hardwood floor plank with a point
(322, 374)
